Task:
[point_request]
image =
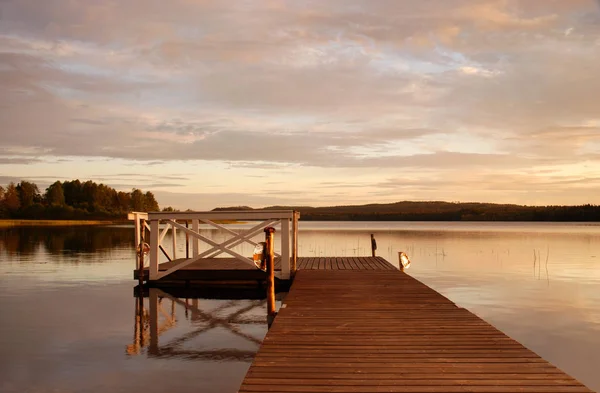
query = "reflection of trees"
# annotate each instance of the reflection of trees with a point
(58, 240)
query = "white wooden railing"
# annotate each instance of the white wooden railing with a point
(286, 222)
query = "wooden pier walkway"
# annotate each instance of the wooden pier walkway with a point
(346, 329)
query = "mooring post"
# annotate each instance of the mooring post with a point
(373, 245)
(270, 257)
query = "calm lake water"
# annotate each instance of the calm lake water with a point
(69, 318)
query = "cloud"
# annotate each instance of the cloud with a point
(18, 160)
(388, 84)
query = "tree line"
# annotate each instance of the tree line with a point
(441, 211)
(71, 200)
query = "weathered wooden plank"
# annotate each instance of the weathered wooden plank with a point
(379, 330)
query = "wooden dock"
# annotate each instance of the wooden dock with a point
(345, 329)
(233, 270)
(348, 324)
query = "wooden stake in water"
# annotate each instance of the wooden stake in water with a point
(373, 245)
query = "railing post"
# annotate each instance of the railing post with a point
(195, 240)
(154, 249)
(137, 229)
(285, 249)
(187, 242)
(174, 241)
(294, 243)
(270, 256)
(141, 236)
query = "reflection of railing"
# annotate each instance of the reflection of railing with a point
(151, 323)
(178, 221)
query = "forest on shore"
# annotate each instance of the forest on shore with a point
(440, 211)
(76, 200)
(71, 200)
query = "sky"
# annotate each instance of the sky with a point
(324, 102)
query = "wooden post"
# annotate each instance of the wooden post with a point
(154, 249)
(195, 240)
(187, 242)
(141, 235)
(270, 256)
(137, 229)
(285, 249)
(294, 244)
(373, 245)
(174, 229)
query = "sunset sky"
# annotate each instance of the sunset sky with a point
(217, 103)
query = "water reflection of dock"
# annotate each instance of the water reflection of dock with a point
(159, 316)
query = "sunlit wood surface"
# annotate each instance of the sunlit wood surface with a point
(232, 268)
(383, 331)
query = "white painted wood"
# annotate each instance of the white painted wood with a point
(154, 249)
(285, 249)
(195, 242)
(225, 215)
(174, 243)
(212, 243)
(240, 238)
(138, 232)
(294, 257)
(141, 215)
(267, 218)
(163, 233)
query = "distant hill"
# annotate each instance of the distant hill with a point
(440, 211)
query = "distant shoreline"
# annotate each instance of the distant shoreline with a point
(55, 223)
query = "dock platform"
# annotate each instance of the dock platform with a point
(234, 271)
(384, 331)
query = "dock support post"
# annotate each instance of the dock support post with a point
(270, 256)
(294, 244)
(195, 240)
(154, 249)
(285, 249)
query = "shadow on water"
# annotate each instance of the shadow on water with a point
(156, 314)
(61, 240)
